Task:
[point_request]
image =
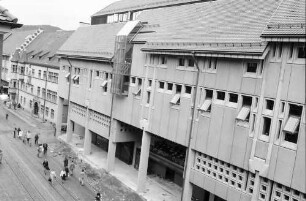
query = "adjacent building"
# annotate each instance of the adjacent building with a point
(209, 95)
(35, 70)
(7, 22)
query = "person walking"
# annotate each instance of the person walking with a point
(52, 177)
(29, 136)
(71, 167)
(63, 175)
(15, 132)
(66, 162)
(45, 146)
(40, 149)
(36, 138)
(82, 176)
(6, 116)
(98, 197)
(20, 134)
(46, 166)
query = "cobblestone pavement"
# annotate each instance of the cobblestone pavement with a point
(22, 171)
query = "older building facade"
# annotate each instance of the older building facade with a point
(35, 71)
(213, 100)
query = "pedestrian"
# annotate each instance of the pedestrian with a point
(82, 176)
(36, 138)
(46, 166)
(67, 171)
(6, 116)
(45, 146)
(39, 150)
(52, 177)
(15, 132)
(25, 138)
(29, 136)
(71, 167)
(63, 175)
(20, 134)
(66, 162)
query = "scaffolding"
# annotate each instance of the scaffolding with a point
(123, 58)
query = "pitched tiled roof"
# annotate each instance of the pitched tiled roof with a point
(198, 26)
(95, 41)
(288, 20)
(14, 39)
(47, 43)
(132, 5)
(7, 18)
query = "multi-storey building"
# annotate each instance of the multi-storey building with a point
(210, 95)
(7, 22)
(35, 70)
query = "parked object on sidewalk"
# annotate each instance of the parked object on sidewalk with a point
(1, 155)
(45, 146)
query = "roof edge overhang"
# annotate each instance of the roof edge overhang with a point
(210, 53)
(12, 25)
(80, 57)
(284, 38)
(42, 64)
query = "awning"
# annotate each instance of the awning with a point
(137, 92)
(175, 99)
(243, 114)
(206, 105)
(76, 77)
(67, 75)
(104, 83)
(292, 124)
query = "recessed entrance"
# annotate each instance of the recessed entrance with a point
(36, 108)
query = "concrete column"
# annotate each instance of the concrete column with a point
(111, 155)
(187, 190)
(256, 187)
(69, 131)
(87, 142)
(143, 163)
(211, 197)
(59, 116)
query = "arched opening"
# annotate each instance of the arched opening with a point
(36, 108)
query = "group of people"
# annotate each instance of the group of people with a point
(25, 137)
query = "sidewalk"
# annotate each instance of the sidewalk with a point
(156, 189)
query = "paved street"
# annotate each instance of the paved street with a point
(21, 171)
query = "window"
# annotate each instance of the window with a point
(269, 104)
(266, 126)
(292, 125)
(76, 79)
(133, 80)
(47, 111)
(52, 114)
(244, 114)
(208, 94)
(221, 95)
(251, 68)
(169, 86)
(301, 52)
(291, 50)
(190, 62)
(138, 90)
(106, 75)
(148, 97)
(161, 85)
(280, 50)
(55, 77)
(45, 75)
(233, 98)
(163, 60)
(90, 79)
(181, 62)
(253, 123)
(247, 101)
(178, 89)
(97, 73)
(212, 64)
(188, 89)
(33, 72)
(150, 83)
(279, 129)
(39, 73)
(44, 93)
